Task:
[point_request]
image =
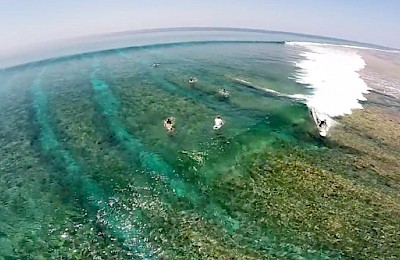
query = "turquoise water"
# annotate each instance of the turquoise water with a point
(88, 171)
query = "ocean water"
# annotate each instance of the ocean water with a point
(89, 172)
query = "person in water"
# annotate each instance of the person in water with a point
(224, 92)
(218, 122)
(169, 124)
(322, 123)
(192, 80)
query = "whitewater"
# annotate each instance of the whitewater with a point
(332, 73)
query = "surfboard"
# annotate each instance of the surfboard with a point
(218, 123)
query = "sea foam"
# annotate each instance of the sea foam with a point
(332, 72)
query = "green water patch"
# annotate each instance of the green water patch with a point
(314, 207)
(264, 65)
(351, 164)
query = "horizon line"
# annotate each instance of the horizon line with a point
(212, 28)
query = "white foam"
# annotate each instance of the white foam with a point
(340, 45)
(332, 73)
(298, 97)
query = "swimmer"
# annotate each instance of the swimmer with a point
(169, 124)
(192, 80)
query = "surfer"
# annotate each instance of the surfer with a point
(218, 123)
(169, 124)
(192, 80)
(224, 92)
(321, 121)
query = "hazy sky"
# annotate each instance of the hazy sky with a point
(32, 21)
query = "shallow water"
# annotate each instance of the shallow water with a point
(89, 171)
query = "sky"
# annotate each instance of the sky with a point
(27, 22)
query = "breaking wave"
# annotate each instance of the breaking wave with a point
(331, 71)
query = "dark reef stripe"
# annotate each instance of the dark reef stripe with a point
(92, 195)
